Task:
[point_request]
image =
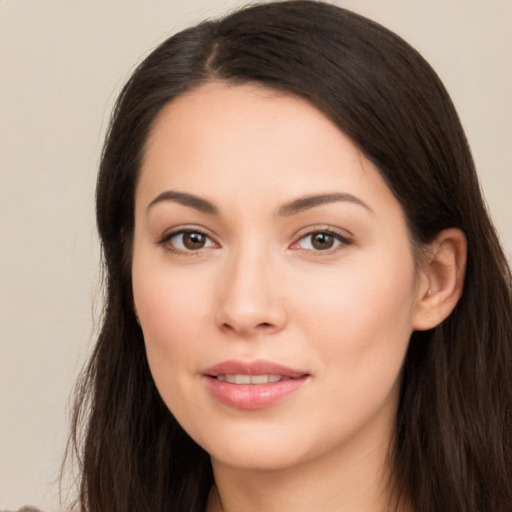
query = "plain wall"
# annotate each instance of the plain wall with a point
(61, 65)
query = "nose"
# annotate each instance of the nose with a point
(251, 298)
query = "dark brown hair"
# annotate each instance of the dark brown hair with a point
(452, 448)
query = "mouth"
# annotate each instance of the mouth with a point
(251, 379)
(252, 385)
(252, 372)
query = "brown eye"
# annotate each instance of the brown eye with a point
(322, 241)
(187, 241)
(193, 240)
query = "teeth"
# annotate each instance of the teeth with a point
(250, 379)
(260, 379)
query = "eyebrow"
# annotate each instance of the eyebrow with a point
(307, 202)
(288, 209)
(186, 200)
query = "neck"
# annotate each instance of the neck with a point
(353, 478)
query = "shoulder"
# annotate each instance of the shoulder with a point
(24, 509)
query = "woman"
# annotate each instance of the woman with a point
(307, 304)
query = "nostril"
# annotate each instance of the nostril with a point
(265, 326)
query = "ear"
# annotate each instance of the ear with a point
(441, 280)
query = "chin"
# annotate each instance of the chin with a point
(270, 457)
(259, 446)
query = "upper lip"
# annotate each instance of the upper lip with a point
(258, 367)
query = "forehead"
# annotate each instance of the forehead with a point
(245, 120)
(252, 143)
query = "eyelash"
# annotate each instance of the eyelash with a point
(342, 241)
(165, 241)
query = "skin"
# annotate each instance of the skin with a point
(260, 289)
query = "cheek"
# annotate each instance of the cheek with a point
(362, 317)
(164, 311)
(167, 299)
(170, 310)
(168, 326)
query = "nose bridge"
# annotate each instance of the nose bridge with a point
(250, 298)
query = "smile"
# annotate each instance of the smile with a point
(251, 379)
(252, 385)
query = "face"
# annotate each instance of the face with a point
(273, 278)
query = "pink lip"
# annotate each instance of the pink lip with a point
(253, 396)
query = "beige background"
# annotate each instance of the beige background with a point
(61, 65)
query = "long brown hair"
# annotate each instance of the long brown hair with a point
(452, 448)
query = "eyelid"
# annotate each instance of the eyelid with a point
(342, 236)
(172, 232)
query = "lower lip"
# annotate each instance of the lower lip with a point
(253, 396)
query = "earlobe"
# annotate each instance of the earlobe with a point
(442, 279)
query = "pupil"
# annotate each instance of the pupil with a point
(323, 241)
(193, 240)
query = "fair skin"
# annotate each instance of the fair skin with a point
(228, 265)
